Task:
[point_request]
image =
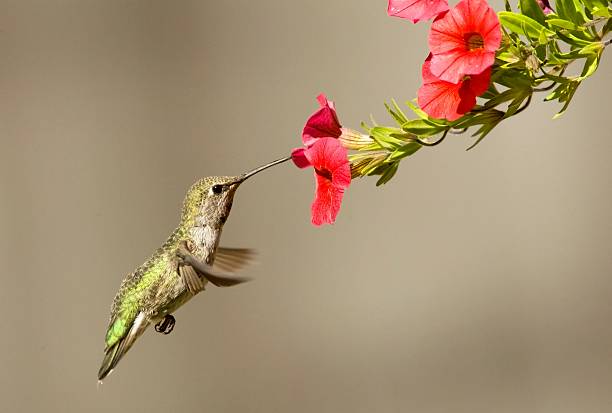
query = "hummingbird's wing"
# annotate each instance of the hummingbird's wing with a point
(115, 352)
(191, 279)
(195, 284)
(225, 281)
(231, 260)
(190, 266)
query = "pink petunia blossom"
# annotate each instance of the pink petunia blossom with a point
(416, 10)
(445, 100)
(464, 40)
(324, 150)
(323, 123)
(333, 175)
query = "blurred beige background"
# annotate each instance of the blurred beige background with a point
(474, 282)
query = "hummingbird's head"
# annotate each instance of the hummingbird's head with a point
(214, 198)
(210, 199)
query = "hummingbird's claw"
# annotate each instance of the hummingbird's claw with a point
(166, 325)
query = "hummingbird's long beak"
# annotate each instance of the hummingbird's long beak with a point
(249, 174)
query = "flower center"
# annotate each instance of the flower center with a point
(325, 173)
(473, 41)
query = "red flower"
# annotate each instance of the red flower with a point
(333, 175)
(298, 156)
(416, 10)
(324, 152)
(445, 100)
(464, 40)
(322, 124)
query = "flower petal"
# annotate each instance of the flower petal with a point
(299, 158)
(441, 100)
(322, 124)
(454, 55)
(445, 100)
(333, 176)
(327, 202)
(416, 10)
(480, 83)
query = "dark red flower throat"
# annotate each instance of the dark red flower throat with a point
(325, 173)
(473, 41)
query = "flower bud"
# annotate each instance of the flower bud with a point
(351, 139)
(364, 163)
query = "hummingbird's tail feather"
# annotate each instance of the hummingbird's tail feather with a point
(110, 361)
(116, 352)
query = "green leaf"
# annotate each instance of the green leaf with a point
(417, 111)
(602, 12)
(505, 96)
(388, 174)
(594, 48)
(482, 132)
(396, 113)
(597, 8)
(607, 28)
(398, 109)
(517, 104)
(512, 78)
(579, 6)
(404, 151)
(568, 99)
(532, 9)
(508, 57)
(590, 66)
(569, 10)
(564, 94)
(557, 79)
(420, 127)
(564, 24)
(386, 137)
(523, 25)
(426, 118)
(488, 120)
(480, 118)
(572, 40)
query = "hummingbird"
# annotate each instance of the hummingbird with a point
(180, 268)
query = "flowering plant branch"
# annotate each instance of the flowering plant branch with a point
(483, 67)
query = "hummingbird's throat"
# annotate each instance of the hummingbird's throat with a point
(204, 240)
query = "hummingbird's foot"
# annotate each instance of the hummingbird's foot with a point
(166, 325)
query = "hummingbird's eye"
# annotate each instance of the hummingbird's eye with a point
(217, 189)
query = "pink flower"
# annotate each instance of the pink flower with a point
(445, 100)
(323, 123)
(324, 151)
(299, 158)
(333, 176)
(545, 6)
(464, 40)
(416, 10)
